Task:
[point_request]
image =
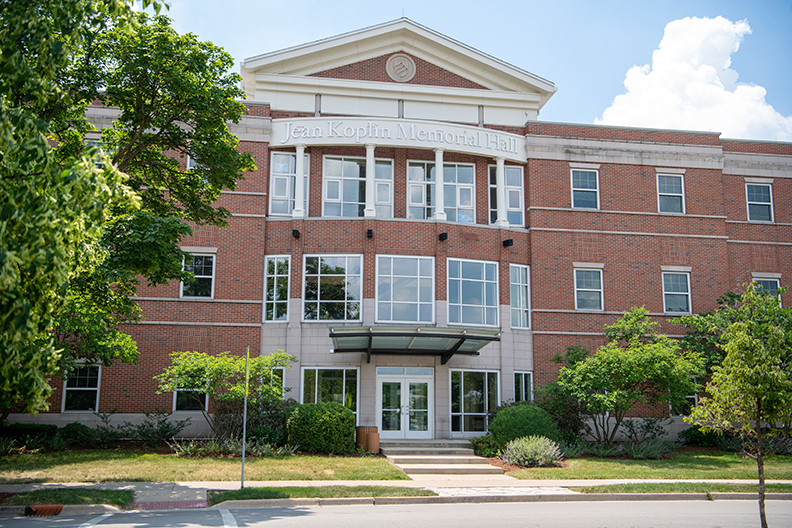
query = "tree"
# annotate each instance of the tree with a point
(636, 366)
(222, 379)
(750, 393)
(50, 207)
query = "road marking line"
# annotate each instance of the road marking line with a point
(228, 519)
(94, 522)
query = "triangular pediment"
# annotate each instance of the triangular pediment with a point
(466, 66)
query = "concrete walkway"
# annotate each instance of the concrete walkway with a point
(457, 488)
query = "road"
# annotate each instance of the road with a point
(628, 514)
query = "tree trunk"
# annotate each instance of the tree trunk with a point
(5, 414)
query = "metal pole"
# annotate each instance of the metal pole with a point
(244, 418)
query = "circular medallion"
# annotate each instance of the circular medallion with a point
(400, 67)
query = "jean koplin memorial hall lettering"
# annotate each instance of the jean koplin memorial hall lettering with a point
(424, 244)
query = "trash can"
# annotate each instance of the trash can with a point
(373, 440)
(362, 436)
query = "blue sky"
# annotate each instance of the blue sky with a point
(586, 48)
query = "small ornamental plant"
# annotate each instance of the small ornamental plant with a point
(532, 451)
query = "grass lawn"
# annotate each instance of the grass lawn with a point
(686, 487)
(121, 498)
(682, 465)
(136, 466)
(320, 492)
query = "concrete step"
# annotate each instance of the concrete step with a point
(435, 459)
(408, 451)
(441, 443)
(450, 469)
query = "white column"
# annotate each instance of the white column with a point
(370, 211)
(500, 182)
(299, 183)
(439, 202)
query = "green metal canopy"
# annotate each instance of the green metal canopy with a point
(413, 341)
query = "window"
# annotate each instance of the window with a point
(190, 400)
(99, 146)
(472, 292)
(202, 268)
(276, 295)
(81, 389)
(405, 289)
(585, 189)
(324, 385)
(520, 295)
(670, 194)
(690, 402)
(760, 203)
(769, 286)
(523, 386)
(513, 177)
(282, 182)
(420, 190)
(676, 292)
(588, 289)
(473, 395)
(459, 192)
(333, 288)
(345, 187)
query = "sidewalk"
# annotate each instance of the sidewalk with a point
(450, 488)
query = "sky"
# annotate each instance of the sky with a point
(722, 66)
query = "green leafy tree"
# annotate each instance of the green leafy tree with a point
(750, 393)
(636, 366)
(222, 379)
(52, 205)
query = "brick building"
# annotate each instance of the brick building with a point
(420, 301)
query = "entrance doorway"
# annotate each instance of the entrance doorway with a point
(405, 402)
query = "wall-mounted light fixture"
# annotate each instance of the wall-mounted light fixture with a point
(508, 242)
(296, 233)
(369, 233)
(443, 236)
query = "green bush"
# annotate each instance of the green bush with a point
(521, 421)
(322, 428)
(693, 436)
(571, 449)
(20, 430)
(484, 446)
(78, 434)
(156, 428)
(266, 435)
(532, 451)
(648, 449)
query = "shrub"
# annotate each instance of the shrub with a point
(78, 434)
(322, 428)
(57, 443)
(532, 451)
(694, 436)
(600, 450)
(20, 430)
(8, 446)
(645, 429)
(648, 449)
(157, 428)
(571, 449)
(265, 434)
(484, 446)
(520, 421)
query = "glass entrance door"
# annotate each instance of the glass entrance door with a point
(404, 406)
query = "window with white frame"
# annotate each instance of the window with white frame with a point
(676, 292)
(760, 202)
(276, 285)
(520, 294)
(768, 286)
(690, 402)
(585, 189)
(588, 289)
(325, 385)
(202, 268)
(513, 176)
(81, 389)
(405, 289)
(670, 194)
(420, 190)
(333, 287)
(190, 400)
(523, 386)
(459, 192)
(96, 143)
(472, 292)
(474, 393)
(345, 187)
(283, 172)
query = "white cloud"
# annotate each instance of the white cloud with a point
(689, 86)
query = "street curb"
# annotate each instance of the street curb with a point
(69, 509)
(476, 499)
